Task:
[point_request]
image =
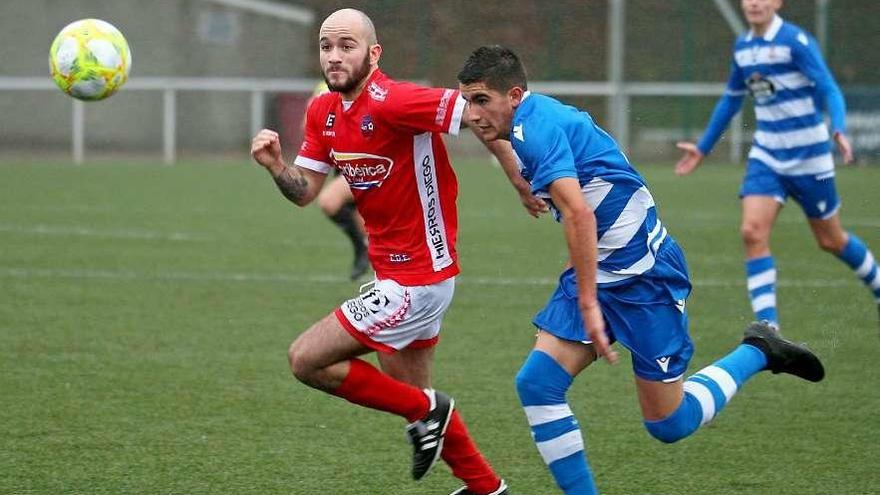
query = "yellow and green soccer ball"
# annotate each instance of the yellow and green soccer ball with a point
(89, 59)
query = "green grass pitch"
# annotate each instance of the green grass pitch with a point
(145, 314)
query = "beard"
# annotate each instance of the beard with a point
(358, 74)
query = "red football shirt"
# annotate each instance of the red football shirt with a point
(387, 145)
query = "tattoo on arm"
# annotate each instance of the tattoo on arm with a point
(292, 185)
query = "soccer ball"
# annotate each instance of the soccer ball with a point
(89, 59)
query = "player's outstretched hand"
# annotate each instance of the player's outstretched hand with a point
(266, 149)
(595, 323)
(691, 159)
(534, 205)
(843, 144)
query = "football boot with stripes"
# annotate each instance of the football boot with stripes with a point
(427, 434)
(501, 490)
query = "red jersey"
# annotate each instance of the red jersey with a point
(387, 146)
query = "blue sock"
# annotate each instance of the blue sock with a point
(541, 384)
(761, 273)
(706, 393)
(856, 255)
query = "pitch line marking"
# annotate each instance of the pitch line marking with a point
(103, 274)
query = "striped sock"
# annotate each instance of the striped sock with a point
(856, 255)
(541, 385)
(761, 273)
(714, 385)
(706, 393)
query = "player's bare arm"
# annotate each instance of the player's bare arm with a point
(579, 223)
(298, 185)
(293, 185)
(503, 151)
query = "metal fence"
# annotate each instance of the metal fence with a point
(648, 70)
(258, 89)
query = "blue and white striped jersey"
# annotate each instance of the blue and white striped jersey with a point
(552, 141)
(791, 85)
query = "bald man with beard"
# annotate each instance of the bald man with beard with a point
(384, 137)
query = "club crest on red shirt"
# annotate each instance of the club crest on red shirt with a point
(367, 127)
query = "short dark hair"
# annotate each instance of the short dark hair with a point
(495, 66)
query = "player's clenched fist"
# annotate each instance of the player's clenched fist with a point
(266, 149)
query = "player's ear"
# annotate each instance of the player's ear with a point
(515, 96)
(375, 53)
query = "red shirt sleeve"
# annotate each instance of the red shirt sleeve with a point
(421, 109)
(313, 153)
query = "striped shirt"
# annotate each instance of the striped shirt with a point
(791, 85)
(552, 141)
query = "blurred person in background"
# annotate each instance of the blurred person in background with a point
(781, 66)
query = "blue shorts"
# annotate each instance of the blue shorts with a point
(816, 194)
(646, 315)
